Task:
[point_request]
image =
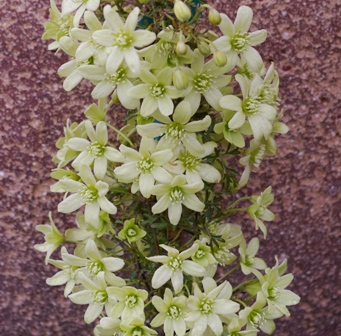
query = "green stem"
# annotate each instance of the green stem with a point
(121, 134)
(228, 273)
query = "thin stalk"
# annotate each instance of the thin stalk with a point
(121, 134)
(228, 273)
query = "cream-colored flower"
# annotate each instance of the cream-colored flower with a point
(123, 39)
(69, 6)
(173, 267)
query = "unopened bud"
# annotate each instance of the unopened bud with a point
(204, 48)
(181, 48)
(127, 9)
(143, 1)
(144, 120)
(181, 11)
(220, 59)
(180, 80)
(214, 17)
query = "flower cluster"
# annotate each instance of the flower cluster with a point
(160, 190)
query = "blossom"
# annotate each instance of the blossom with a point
(57, 26)
(175, 192)
(69, 6)
(95, 152)
(259, 114)
(248, 259)
(95, 263)
(156, 92)
(207, 307)
(172, 312)
(90, 193)
(179, 131)
(173, 266)
(53, 238)
(237, 41)
(123, 38)
(195, 169)
(67, 275)
(131, 231)
(258, 210)
(143, 168)
(130, 303)
(205, 79)
(137, 328)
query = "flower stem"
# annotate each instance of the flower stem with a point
(121, 134)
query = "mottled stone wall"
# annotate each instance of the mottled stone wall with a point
(304, 42)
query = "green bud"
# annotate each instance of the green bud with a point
(127, 9)
(180, 80)
(143, 1)
(214, 17)
(181, 11)
(181, 48)
(204, 48)
(144, 120)
(219, 58)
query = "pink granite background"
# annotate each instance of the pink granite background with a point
(304, 41)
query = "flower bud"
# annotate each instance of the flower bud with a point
(204, 48)
(220, 59)
(214, 17)
(143, 1)
(180, 80)
(181, 48)
(144, 120)
(181, 11)
(127, 9)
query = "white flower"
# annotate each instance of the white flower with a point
(175, 192)
(69, 6)
(172, 312)
(260, 115)
(95, 152)
(94, 263)
(205, 79)
(196, 170)
(248, 259)
(143, 167)
(179, 131)
(95, 295)
(90, 193)
(173, 266)
(156, 92)
(123, 38)
(237, 40)
(207, 307)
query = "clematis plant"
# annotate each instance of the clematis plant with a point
(155, 247)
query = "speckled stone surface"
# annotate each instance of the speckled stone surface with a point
(303, 41)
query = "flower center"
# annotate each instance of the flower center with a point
(118, 77)
(131, 301)
(157, 91)
(176, 195)
(175, 263)
(268, 95)
(246, 71)
(206, 306)
(249, 261)
(95, 267)
(123, 39)
(137, 332)
(256, 318)
(251, 105)
(100, 297)
(189, 161)
(224, 256)
(145, 165)
(202, 82)
(96, 149)
(273, 293)
(176, 131)
(89, 194)
(174, 312)
(166, 48)
(200, 254)
(240, 41)
(131, 233)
